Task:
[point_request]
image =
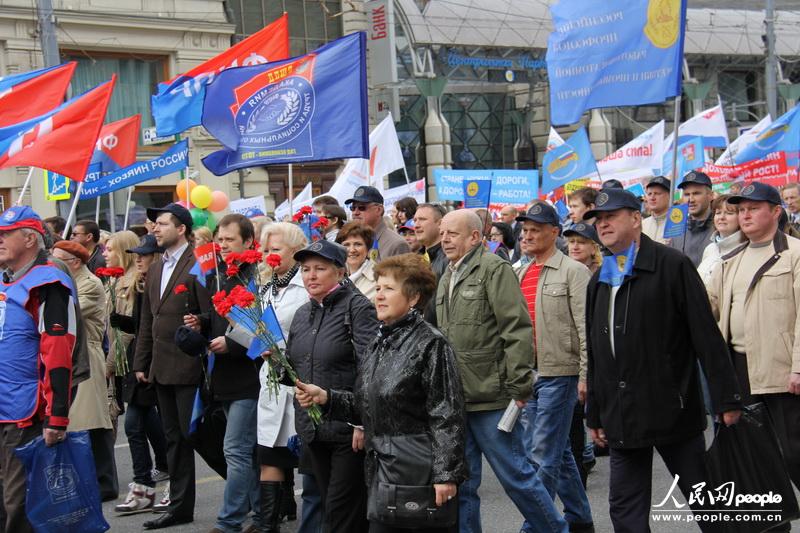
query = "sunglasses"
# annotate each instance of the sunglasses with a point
(361, 207)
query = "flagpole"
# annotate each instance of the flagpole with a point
(113, 219)
(675, 150)
(127, 208)
(73, 209)
(291, 187)
(97, 210)
(25, 186)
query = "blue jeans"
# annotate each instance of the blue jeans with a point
(241, 487)
(143, 423)
(506, 454)
(548, 417)
(311, 512)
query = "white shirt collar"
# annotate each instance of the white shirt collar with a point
(172, 255)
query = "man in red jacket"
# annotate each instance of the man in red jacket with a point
(37, 337)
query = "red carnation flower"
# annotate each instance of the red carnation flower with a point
(297, 217)
(274, 260)
(241, 297)
(321, 223)
(180, 289)
(232, 270)
(110, 272)
(221, 303)
(306, 210)
(250, 256)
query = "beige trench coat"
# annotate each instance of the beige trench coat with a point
(90, 408)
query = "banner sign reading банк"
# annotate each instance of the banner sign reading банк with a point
(382, 55)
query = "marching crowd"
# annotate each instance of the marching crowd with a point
(420, 339)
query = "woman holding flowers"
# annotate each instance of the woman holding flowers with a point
(283, 288)
(89, 411)
(327, 342)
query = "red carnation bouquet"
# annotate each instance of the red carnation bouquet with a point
(112, 275)
(242, 307)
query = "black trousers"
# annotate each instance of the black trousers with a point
(102, 441)
(374, 527)
(12, 475)
(175, 403)
(784, 410)
(630, 486)
(339, 473)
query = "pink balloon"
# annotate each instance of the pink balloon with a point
(219, 201)
(185, 203)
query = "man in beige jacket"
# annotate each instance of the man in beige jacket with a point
(554, 287)
(755, 295)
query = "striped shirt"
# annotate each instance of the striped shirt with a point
(529, 286)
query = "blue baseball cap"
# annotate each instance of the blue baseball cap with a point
(335, 253)
(543, 213)
(695, 178)
(587, 231)
(408, 226)
(254, 212)
(757, 192)
(21, 216)
(611, 200)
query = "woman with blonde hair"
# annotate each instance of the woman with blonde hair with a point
(202, 235)
(583, 245)
(283, 288)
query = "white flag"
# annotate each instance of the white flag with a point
(553, 140)
(708, 124)
(302, 199)
(643, 152)
(743, 141)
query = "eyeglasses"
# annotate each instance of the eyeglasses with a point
(360, 207)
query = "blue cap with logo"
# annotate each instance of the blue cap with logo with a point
(587, 231)
(611, 200)
(757, 192)
(542, 213)
(366, 195)
(20, 216)
(695, 178)
(333, 252)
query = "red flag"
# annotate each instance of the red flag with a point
(270, 43)
(63, 142)
(118, 142)
(35, 96)
(206, 256)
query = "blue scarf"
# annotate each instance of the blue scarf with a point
(616, 267)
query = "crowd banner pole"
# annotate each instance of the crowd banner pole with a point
(406, 173)
(97, 210)
(674, 180)
(113, 218)
(127, 208)
(291, 190)
(26, 185)
(73, 209)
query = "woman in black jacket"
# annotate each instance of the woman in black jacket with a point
(408, 387)
(327, 342)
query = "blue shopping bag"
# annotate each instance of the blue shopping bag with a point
(62, 494)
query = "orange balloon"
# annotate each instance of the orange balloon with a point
(180, 189)
(219, 201)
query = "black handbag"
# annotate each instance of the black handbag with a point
(401, 493)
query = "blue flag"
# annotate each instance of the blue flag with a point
(572, 160)
(636, 189)
(783, 135)
(270, 320)
(309, 108)
(561, 209)
(476, 193)
(173, 160)
(605, 54)
(691, 156)
(677, 219)
(615, 267)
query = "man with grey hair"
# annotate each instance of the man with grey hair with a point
(481, 310)
(37, 339)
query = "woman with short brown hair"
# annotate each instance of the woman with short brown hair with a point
(358, 238)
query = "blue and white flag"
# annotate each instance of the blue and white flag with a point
(572, 160)
(783, 135)
(270, 320)
(476, 193)
(605, 54)
(173, 160)
(309, 108)
(616, 266)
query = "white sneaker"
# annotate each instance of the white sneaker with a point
(140, 498)
(163, 505)
(159, 476)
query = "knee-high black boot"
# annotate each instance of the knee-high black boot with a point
(270, 506)
(288, 505)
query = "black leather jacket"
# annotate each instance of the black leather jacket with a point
(326, 351)
(409, 384)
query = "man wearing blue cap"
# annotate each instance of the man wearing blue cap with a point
(554, 287)
(37, 339)
(755, 293)
(367, 207)
(696, 187)
(648, 323)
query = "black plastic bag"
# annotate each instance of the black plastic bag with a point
(747, 475)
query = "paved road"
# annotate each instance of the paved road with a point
(499, 514)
